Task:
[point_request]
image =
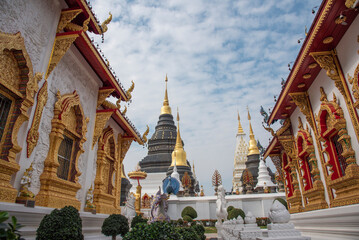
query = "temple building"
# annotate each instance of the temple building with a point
(240, 158)
(164, 146)
(316, 150)
(61, 141)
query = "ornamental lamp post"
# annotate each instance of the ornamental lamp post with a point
(138, 174)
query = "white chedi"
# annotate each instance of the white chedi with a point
(176, 175)
(264, 180)
(278, 213)
(249, 219)
(239, 220)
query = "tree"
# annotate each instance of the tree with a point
(115, 224)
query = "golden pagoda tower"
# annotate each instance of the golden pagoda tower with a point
(253, 156)
(166, 109)
(179, 153)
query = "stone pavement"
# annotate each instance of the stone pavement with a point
(211, 236)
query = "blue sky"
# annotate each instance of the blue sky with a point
(220, 57)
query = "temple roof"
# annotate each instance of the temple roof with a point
(324, 35)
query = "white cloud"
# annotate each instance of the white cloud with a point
(220, 56)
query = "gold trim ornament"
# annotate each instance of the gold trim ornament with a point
(33, 134)
(331, 122)
(15, 71)
(329, 61)
(312, 186)
(355, 86)
(54, 191)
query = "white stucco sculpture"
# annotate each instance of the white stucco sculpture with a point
(129, 211)
(278, 213)
(221, 211)
(249, 219)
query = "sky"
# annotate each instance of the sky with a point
(220, 57)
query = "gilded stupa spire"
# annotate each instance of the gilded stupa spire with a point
(166, 109)
(253, 148)
(178, 153)
(240, 129)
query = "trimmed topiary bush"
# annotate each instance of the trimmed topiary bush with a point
(115, 224)
(188, 233)
(189, 211)
(61, 224)
(235, 213)
(229, 208)
(153, 231)
(187, 218)
(282, 201)
(136, 220)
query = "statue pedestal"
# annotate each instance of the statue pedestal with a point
(281, 231)
(250, 231)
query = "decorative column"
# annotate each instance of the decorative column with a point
(301, 99)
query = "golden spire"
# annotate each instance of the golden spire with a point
(166, 109)
(253, 148)
(178, 153)
(240, 129)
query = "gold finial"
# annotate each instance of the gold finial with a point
(178, 153)
(300, 124)
(323, 95)
(166, 109)
(240, 129)
(105, 23)
(253, 148)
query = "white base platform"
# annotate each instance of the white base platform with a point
(150, 184)
(329, 224)
(258, 204)
(31, 218)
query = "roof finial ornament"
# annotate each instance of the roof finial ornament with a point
(240, 129)
(253, 148)
(105, 23)
(166, 109)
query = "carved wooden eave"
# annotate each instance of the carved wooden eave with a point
(64, 40)
(103, 93)
(33, 134)
(351, 3)
(102, 116)
(301, 100)
(305, 70)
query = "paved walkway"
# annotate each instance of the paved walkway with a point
(211, 236)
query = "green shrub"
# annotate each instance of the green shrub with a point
(64, 224)
(187, 218)
(11, 230)
(153, 231)
(282, 201)
(115, 224)
(200, 231)
(189, 211)
(229, 208)
(188, 233)
(136, 220)
(180, 221)
(262, 221)
(235, 213)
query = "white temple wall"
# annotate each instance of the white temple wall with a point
(258, 204)
(348, 54)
